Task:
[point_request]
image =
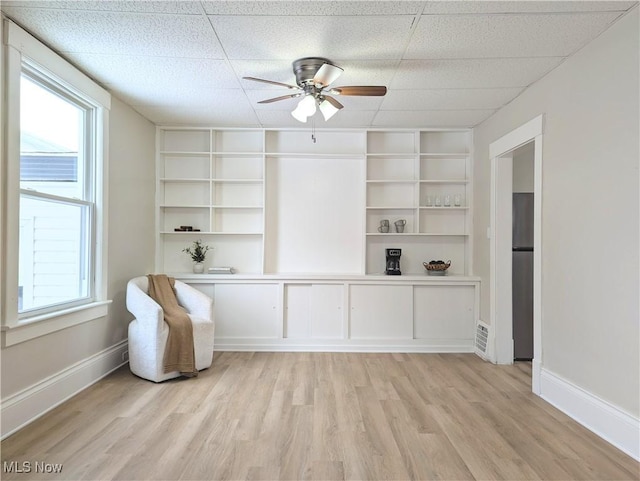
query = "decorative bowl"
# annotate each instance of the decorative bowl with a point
(437, 269)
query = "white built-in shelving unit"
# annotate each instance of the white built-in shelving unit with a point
(271, 201)
(298, 220)
(417, 176)
(213, 181)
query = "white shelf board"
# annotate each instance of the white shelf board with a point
(414, 234)
(183, 206)
(237, 181)
(184, 152)
(444, 181)
(392, 154)
(390, 208)
(314, 155)
(219, 206)
(399, 181)
(238, 154)
(210, 233)
(177, 180)
(444, 154)
(453, 207)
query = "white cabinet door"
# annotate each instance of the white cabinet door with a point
(444, 312)
(381, 312)
(313, 311)
(246, 311)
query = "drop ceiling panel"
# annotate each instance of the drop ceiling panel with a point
(168, 7)
(220, 100)
(448, 99)
(122, 33)
(126, 70)
(472, 73)
(430, 118)
(316, 8)
(198, 116)
(466, 7)
(496, 36)
(288, 38)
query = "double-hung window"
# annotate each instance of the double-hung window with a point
(54, 258)
(56, 234)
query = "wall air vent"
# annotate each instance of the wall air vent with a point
(482, 339)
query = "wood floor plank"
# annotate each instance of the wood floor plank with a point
(317, 416)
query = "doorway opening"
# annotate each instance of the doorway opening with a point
(502, 153)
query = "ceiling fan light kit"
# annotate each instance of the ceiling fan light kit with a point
(313, 76)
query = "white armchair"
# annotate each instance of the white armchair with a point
(148, 332)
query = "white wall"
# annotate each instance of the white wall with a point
(131, 206)
(523, 168)
(130, 253)
(590, 215)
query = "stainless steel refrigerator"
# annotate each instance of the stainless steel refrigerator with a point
(522, 272)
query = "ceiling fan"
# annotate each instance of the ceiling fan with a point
(313, 77)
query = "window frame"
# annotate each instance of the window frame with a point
(22, 52)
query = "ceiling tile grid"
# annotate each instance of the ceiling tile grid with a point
(445, 63)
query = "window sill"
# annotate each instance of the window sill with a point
(52, 322)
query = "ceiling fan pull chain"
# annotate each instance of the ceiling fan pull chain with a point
(313, 130)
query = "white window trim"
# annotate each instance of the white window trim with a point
(20, 46)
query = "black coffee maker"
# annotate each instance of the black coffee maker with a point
(393, 262)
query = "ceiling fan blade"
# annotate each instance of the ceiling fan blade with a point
(370, 90)
(272, 82)
(327, 74)
(333, 102)
(275, 99)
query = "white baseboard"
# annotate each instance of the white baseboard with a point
(26, 406)
(536, 374)
(344, 345)
(607, 421)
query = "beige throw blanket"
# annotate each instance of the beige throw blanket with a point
(179, 353)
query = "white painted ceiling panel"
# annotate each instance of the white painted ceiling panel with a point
(122, 33)
(445, 63)
(467, 7)
(288, 38)
(132, 70)
(430, 118)
(219, 100)
(472, 73)
(146, 6)
(315, 8)
(456, 99)
(491, 36)
(198, 116)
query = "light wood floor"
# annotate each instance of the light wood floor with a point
(318, 416)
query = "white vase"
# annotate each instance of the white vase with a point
(198, 268)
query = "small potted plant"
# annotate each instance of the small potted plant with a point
(198, 253)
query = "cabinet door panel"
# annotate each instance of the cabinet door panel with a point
(246, 310)
(313, 311)
(381, 312)
(444, 312)
(326, 312)
(297, 311)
